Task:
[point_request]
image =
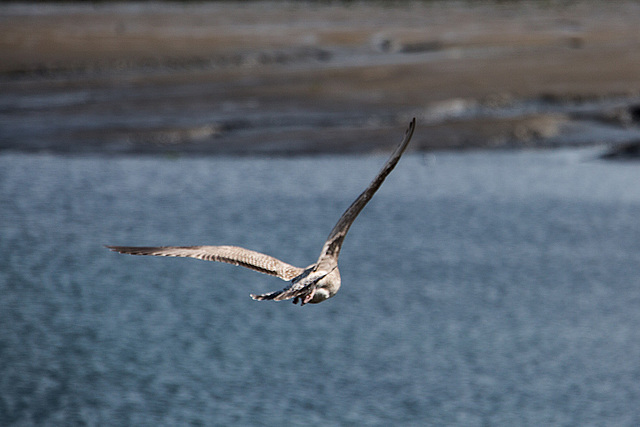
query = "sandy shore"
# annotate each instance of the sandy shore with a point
(288, 78)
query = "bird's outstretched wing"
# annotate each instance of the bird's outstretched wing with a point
(329, 256)
(230, 254)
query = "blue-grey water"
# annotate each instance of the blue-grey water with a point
(478, 289)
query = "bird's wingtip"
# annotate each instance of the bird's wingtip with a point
(261, 297)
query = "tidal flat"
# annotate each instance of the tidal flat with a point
(287, 78)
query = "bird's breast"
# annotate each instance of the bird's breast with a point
(327, 287)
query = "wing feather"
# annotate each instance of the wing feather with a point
(229, 254)
(329, 256)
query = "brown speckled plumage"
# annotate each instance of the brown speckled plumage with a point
(312, 284)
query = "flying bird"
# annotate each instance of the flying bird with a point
(313, 284)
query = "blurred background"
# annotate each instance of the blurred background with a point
(307, 77)
(494, 279)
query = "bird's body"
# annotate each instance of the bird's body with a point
(313, 284)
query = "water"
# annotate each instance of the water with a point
(478, 289)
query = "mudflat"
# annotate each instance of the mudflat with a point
(300, 78)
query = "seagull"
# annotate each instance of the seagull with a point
(313, 284)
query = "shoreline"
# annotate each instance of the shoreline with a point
(288, 78)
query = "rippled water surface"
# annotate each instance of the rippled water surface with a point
(478, 289)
